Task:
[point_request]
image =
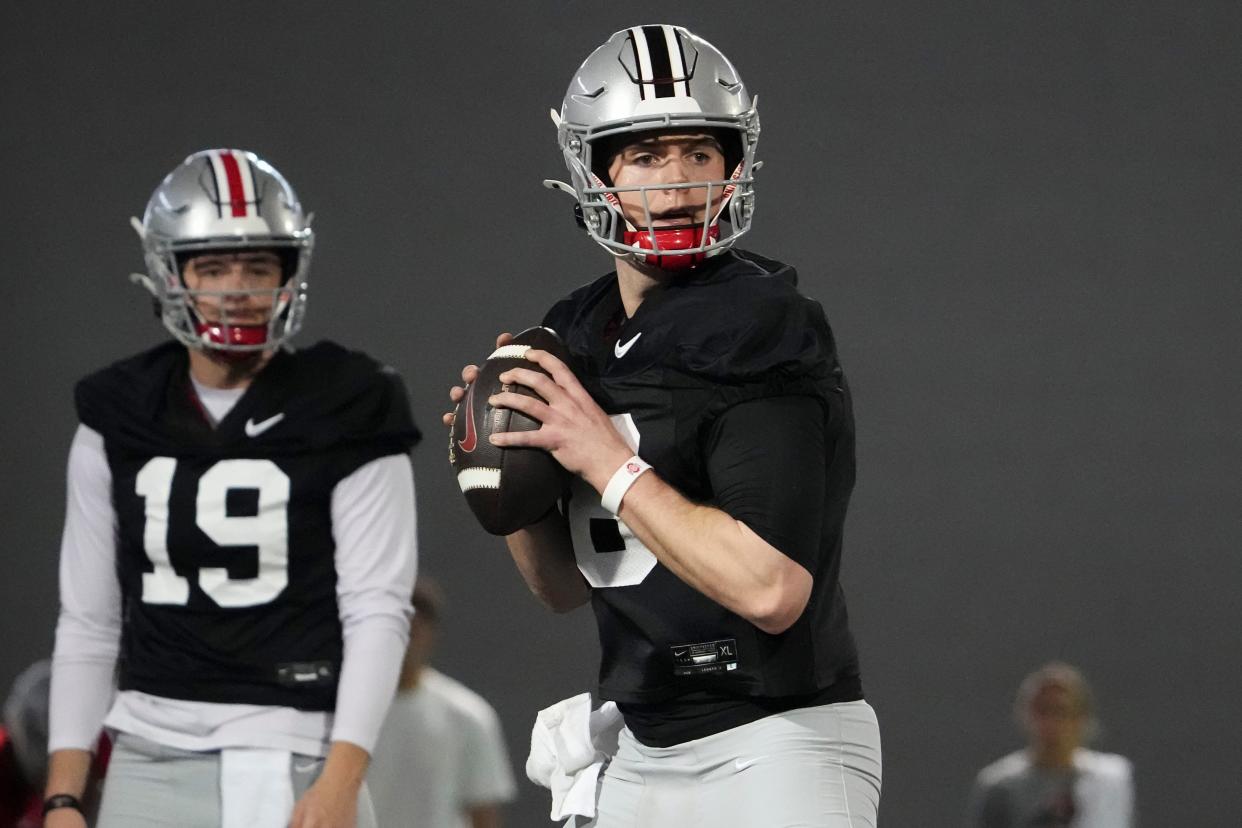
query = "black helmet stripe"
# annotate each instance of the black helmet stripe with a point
(639, 63)
(661, 61)
(215, 185)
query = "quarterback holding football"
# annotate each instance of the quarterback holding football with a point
(708, 428)
(239, 541)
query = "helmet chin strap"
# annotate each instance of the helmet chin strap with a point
(670, 239)
(225, 338)
(218, 337)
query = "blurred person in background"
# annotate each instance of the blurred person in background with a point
(1055, 781)
(23, 751)
(440, 761)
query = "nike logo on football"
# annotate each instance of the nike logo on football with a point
(621, 350)
(472, 437)
(254, 429)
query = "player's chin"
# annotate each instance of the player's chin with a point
(236, 360)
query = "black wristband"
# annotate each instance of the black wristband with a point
(61, 800)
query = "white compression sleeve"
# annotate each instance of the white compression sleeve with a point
(374, 525)
(88, 631)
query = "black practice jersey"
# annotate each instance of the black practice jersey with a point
(734, 332)
(225, 552)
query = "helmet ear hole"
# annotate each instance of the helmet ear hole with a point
(603, 151)
(182, 258)
(731, 145)
(288, 262)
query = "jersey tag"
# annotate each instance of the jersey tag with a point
(707, 657)
(305, 673)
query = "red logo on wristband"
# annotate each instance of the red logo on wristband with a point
(632, 468)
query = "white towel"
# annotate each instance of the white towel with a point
(569, 745)
(256, 789)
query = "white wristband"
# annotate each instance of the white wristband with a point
(621, 481)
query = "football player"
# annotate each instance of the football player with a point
(709, 428)
(239, 535)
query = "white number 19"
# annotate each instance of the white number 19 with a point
(267, 530)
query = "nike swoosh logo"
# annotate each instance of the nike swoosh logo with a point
(254, 429)
(743, 764)
(621, 350)
(308, 767)
(679, 653)
(472, 437)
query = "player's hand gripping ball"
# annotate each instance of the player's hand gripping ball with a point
(507, 488)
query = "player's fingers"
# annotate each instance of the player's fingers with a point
(504, 339)
(561, 373)
(456, 393)
(519, 439)
(530, 406)
(447, 418)
(537, 381)
(469, 373)
(550, 363)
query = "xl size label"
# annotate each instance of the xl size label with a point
(706, 657)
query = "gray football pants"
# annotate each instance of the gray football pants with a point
(150, 785)
(817, 767)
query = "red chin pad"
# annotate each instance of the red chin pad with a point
(214, 334)
(681, 237)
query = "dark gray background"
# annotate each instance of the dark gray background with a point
(1021, 218)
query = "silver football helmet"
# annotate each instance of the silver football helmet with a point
(224, 199)
(647, 78)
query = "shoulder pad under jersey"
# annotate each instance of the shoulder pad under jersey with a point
(747, 321)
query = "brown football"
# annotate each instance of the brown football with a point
(506, 488)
